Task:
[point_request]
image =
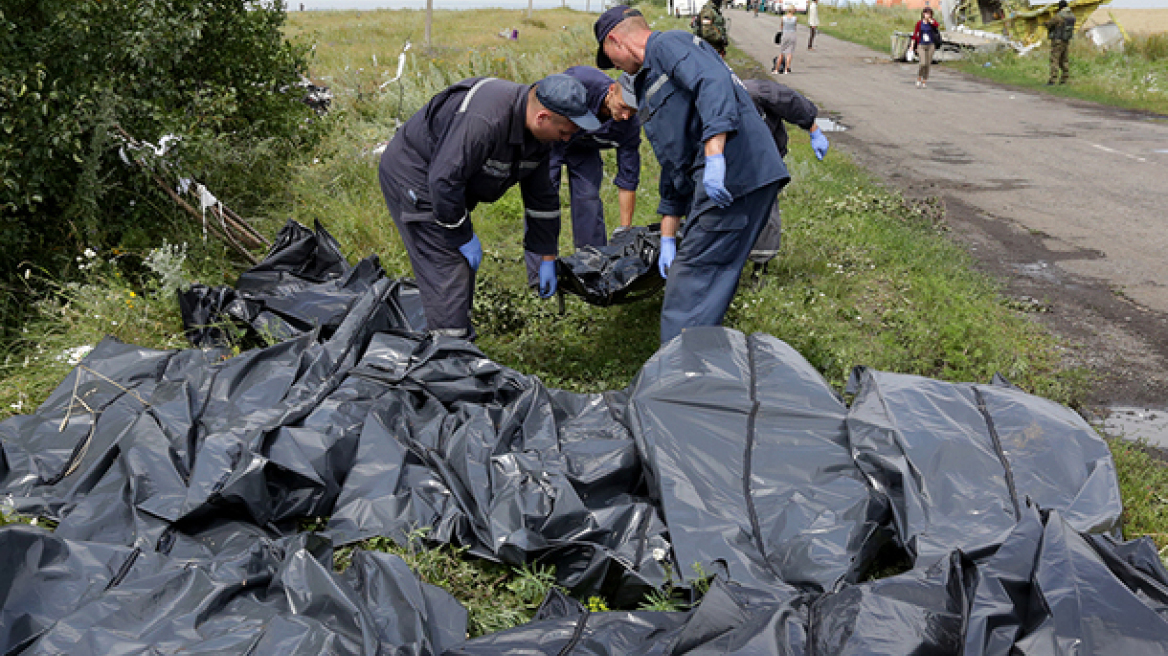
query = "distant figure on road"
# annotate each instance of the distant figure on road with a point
(812, 23)
(787, 45)
(924, 42)
(1060, 28)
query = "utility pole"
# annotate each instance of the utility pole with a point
(429, 21)
(529, 3)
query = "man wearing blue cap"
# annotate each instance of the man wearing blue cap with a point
(719, 165)
(468, 145)
(615, 105)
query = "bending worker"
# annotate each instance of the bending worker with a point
(468, 145)
(719, 164)
(778, 103)
(614, 104)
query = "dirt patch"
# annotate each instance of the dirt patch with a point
(1123, 344)
(1134, 21)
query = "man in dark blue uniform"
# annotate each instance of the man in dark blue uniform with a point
(468, 145)
(614, 104)
(719, 164)
(777, 104)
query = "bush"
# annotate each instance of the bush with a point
(217, 73)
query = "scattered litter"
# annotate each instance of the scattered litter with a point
(830, 125)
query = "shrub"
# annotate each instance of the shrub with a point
(217, 73)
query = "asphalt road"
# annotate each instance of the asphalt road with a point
(1067, 200)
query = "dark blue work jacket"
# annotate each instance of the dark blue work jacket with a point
(467, 146)
(625, 136)
(687, 94)
(778, 103)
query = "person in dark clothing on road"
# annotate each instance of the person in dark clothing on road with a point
(615, 105)
(1060, 28)
(779, 104)
(720, 167)
(468, 145)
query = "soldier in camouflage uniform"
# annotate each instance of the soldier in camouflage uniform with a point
(711, 26)
(1060, 28)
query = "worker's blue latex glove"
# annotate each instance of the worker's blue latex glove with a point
(547, 278)
(714, 179)
(819, 143)
(473, 252)
(665, 257)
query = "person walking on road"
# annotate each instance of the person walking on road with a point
(1060, 28)
(614, 103)
(812, 23)
(787, 44)
(926, 36)
(468, 145)
(719, 167)
(778, 104)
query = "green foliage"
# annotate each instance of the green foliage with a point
(128, 295)
(1143, 483)
(496, 597)
(217, 73)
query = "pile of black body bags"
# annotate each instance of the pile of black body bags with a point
(181, 480)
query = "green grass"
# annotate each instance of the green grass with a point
(1134, 79)
(865, 276)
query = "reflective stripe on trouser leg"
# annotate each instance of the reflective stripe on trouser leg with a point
(444, 278)
(710, 257)
(585, 173)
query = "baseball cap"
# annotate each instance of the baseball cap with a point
(604, 25)
(628, 91)
(566, 96)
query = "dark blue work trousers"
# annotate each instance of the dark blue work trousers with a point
(585, 173)
(444, 277)
(711, 252)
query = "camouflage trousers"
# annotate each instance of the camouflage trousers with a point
(1058, 62)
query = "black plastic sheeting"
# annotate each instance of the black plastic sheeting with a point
(1045, 590)
(303, 284)
(958, 461)
(267, 597)
(727, 452)
(623, 271)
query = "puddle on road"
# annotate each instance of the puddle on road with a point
(1040, 270)
(828, 125)
(1134, 423)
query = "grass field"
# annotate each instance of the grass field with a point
(865, 277)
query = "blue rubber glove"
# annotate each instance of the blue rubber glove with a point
(714, 179)
(665, 257)
(473, 252)
(547, 278)
(819, 143)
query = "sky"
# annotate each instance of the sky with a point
(294, 5)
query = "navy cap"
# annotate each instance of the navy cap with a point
(566, 96)
(604, 25)
(628, 92)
